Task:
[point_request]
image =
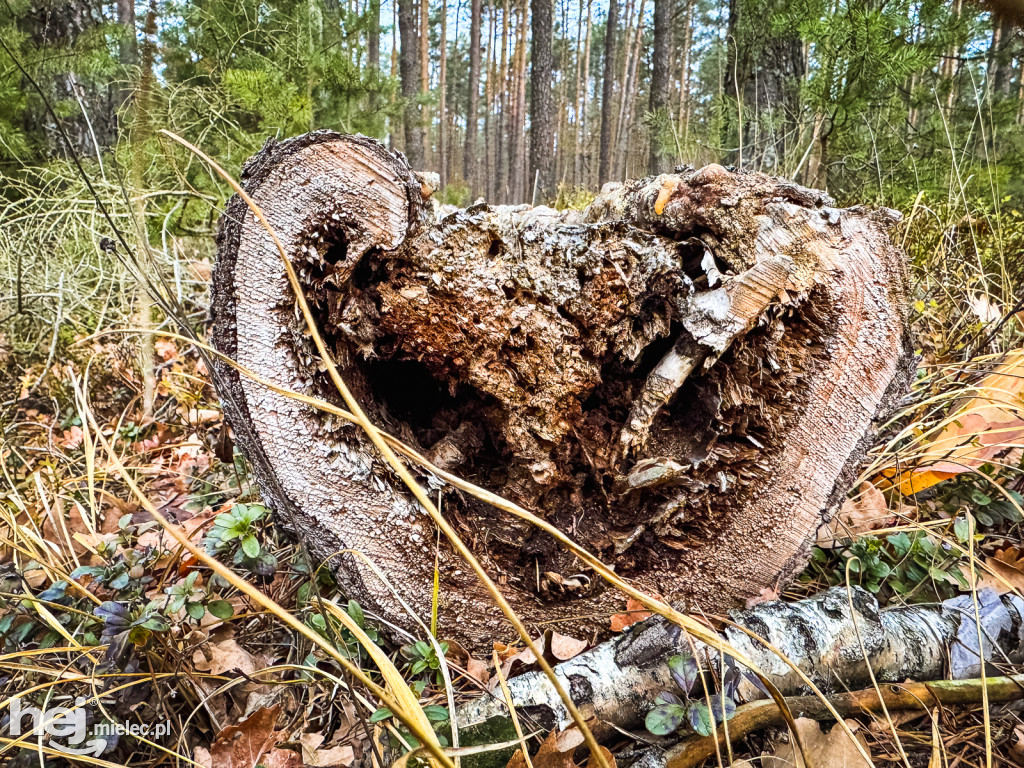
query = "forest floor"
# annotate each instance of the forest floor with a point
(100, 600)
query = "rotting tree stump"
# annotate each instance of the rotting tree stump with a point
(683, 377)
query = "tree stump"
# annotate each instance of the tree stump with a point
(683, 377)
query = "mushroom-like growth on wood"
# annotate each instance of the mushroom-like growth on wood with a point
(683, 377)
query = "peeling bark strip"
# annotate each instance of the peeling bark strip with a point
(683, 376)
(617, 681)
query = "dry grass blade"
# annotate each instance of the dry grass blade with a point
(511, 709)
(392, 677)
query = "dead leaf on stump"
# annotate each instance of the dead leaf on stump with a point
(557, 647)
(635, 612)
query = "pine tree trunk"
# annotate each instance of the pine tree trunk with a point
(682, 377)
(588, 156)
(660, 62)
(472, 110)
(765, 72)
(684, 78)
(623, 133)
(542, 103)
(517, 161)
(424, 41)
(442, 90)
(604, 167)
(488, 186)
(373, 51)
(503, 123)
(409, 72)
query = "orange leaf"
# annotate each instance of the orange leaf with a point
(983, 427)
(635, 612)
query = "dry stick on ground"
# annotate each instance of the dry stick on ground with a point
(512, 345)
(759, 715)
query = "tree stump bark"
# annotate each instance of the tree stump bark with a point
(683, 377)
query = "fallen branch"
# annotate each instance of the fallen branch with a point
(893, 697)
(831, 638)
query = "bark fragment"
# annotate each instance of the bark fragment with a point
(682, 377)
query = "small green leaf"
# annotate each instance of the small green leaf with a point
(665, 719)
(381, 714)
(120, 581)
(961, 529)
(250, 545)
(356, 613)
(700, 718)
(221, 609)
(195, 610)
(978, 497)
(901, 543)
(435, 714)
(154, 624)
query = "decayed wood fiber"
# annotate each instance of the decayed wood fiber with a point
(682, 377)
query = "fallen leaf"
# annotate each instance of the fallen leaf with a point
(1017, 744)
(248, 743)
(312, 755)
(867, 511)
(548, 755)
(194, 417)
(563, 647)
(478, 670)
(831, 749)
(1008, 567)
(223, 654)
(72, 438)
(987, 310)
(202, 270)
(165, 349)
(569, 739)
(608, 756)
(983, 427)
(202, 756)
(635, 612)
(766, 595)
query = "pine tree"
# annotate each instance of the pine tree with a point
(542, 105)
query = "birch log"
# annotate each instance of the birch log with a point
(832, 638)
(683, 377)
